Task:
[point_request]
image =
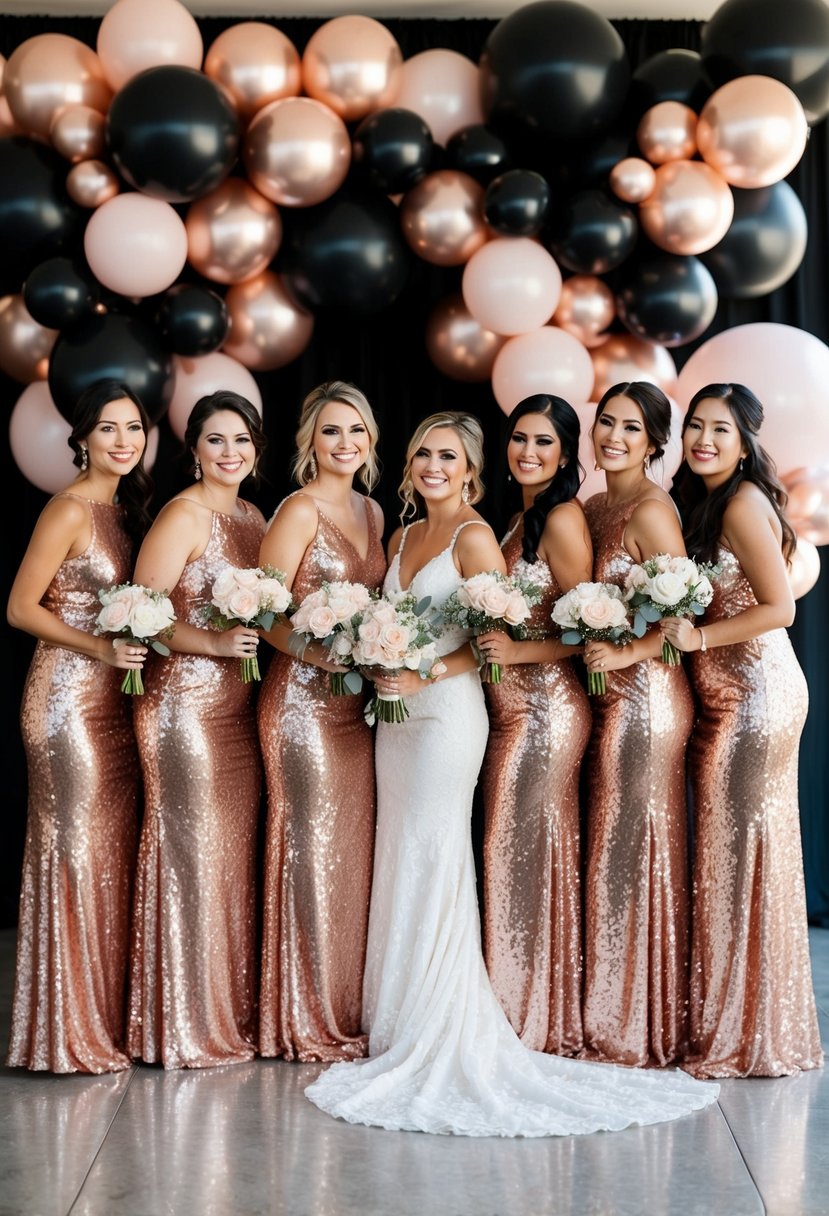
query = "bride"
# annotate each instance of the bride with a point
(443, 1057)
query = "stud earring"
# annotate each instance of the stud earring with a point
(84, 458)
(312, 466)
(196, 468)
(465, 492)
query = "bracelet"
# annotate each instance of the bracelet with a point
(702, 644)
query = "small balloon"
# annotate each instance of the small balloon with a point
(442, 218)
(689, 209)
(586, 308)
(458, 345)
(594, 233)
(353, 65)
(60, 292)
(48, 72)
(135, 246)
(39, 440)
(752, 131)
(443, 87)
(622, 357)
(268, 329)
(669, 300)
(479, 152)
(393, 149)
(666, 132)
(138, 34)
(297, 152)
(77, 132)
(632, 179)
(255, 64)
(25, 345)
(808, 505)
(91, 183)
(196, 378)
(511, 285)
(804, 570)
(232, 233)
(548, 360)
(517, 203)
(192, 320)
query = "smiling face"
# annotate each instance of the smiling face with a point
(712, 443)
(341, 442)
(534, 452)
(620, 438)
(439, 467)
(115, 443)
(225, 449)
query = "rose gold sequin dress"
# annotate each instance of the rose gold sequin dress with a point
(752, 1006)
(539, 724)
(636, 881)
(193, 981)
(319, 767)
(69, 998)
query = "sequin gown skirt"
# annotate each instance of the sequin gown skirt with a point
(69, 996)
(539, 724)
(319, 766)
(444, 1058)
(636, 882)
(752, 1005)
(193, 969)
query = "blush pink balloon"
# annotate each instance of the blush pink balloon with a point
(195, 378)
(623, 357)
(690, 208)
(548, 360)
(255, 64)
(353, 65)
(151, 450)
(297, 152)
(442, 217)
(808, 505)
(444, 88)
(267, 328)
(38, 436)
(511, 286)
(753, 131)
(457, 345)
(135, 245)
(139, 34)
(804, 571)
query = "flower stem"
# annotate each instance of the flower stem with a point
(491, 673)
(338, 688)
(596, 683)
(250, 669)
(390, 708)
(670, 654)
(132, 683)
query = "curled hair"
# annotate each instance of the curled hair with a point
(468, 430)
(134, 488)
(313, 405)
(226, 399)
(565, 485)
(702, 513)
(655, 407)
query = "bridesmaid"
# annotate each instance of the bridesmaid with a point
(192, 998)
(752, 1006)
(636, 922)
(68, 1012)
(318, 754)
(539, 724)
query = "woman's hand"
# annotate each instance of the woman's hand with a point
(240, 642)
(680, 632)
(607, 656)
(404, 683)
(498, 647)
(124, 654)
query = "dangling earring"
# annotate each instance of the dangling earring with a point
(85, 459)
(509, 476)
(646, 463)
(196, 468)
(465, 493)
(596, 466)
(741, 464)
(312, 466)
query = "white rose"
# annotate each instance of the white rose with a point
(369, 630)
(145, 619)
(412, 659)
(113, 617)
(603, 612)
(494, 600)
(394, 638)
(243, 603)
(342, 646)
(704, 591)
(224, 587)
(667, 588)
(383, 613)
(367, 652)
(247, 578)
(661, 563)
(636, 580)
(275, 593)
(321, 622)
(517, 609)
(685, 568)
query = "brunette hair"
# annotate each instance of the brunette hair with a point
(226, 399)
(565, 485)
(655, 407)
(312, 407)
(468, 430)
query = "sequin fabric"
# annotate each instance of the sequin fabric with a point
(539, 724)
(636, 881)
(68, 1013)
(319, 764)
(193, 969)
(752, 1005)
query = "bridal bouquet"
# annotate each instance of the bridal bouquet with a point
(668, 586)
(140, 614)
(492, 601)
(255, 597)
(393, 632)
(593, 612)
(331, 615)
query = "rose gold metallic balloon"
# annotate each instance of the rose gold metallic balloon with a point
(752, 131)
(255, 64)
(297, 152)
(624, 357)
(139, 34)
(442, 217)
(25, 346)
(267, 329)
(77, 132)
(690, 208)
(91, 183)
(632, 179)
(48, 72)
(457, 345)
(232, 233)
(8, 124)
(353, 64)
(444, 88)
(667, 131)
(585, 308)
(804, 571)
(808, 505)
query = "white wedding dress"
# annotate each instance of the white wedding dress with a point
(443, 1057)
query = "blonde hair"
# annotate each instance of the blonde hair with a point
(468, 430)
(312, 407)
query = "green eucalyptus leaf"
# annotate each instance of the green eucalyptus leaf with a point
(159, 647)
(353, 681)
(571, 637)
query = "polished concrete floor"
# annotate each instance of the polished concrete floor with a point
(243, 1140)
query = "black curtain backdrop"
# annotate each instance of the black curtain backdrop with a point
(385, 355)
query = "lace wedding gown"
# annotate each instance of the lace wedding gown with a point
(443, 1057)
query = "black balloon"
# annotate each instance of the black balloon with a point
(111, 347)
(764, 245)
(479, 152)
(676, 75)
(393, 148)
(789, 41)
(37, 217)
(172, 133)
(589, 162)
(192, 320)
(594, 233)
(667, 299)
(517, 203)
(346, 253)
(556, 66)
(61, 291)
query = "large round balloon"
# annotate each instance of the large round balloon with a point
(25, 344)
(196, 378)
(297, 152)
(457, 344)
(267, 328)
(49, 72)
(548, 360)
(111, 347)
(233, 232)
(764, 245)
(37, 217)
(594, 233)
(804, 571)
(752, 131)
(622, 357)
(346, 253)
(787, 41)
(670, 300)
(255, 64)
(61, 291)
(517, 203)
(808, 505)
(788, 369)
(353, 65)
(39, 439)
(689, 209)
(192, 320)
(479, 152)
(675, 75)
(173, 133)
(511, 285)
(442, 218)
(393, 149)
(138, 34)
(443, 87)
(136, 246)
(558, 67)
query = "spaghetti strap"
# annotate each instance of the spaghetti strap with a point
(460, 529)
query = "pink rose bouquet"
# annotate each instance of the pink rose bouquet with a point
(593, 612)
(141, 615)
(393, 632)
(331, 615)
(668, 586)
(492, 600)
(256, 598)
